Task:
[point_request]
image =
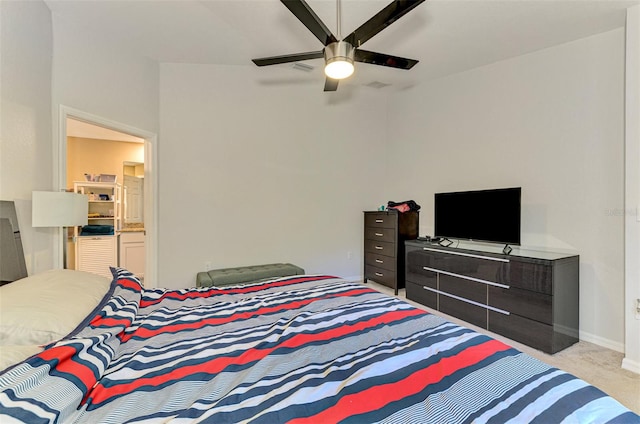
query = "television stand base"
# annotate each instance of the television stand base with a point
(507, 249)
(517, 296)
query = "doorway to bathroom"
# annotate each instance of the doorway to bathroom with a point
(113, 164)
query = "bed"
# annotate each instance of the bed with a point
(301, 349)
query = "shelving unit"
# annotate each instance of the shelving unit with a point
(96, 252)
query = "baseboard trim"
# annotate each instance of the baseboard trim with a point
(601, 341)
(629, 365)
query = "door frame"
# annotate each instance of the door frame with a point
(150, 182)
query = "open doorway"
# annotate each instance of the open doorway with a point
(99, 158)
(99, 165)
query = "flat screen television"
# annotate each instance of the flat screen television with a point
(481, 215)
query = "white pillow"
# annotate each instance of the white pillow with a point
(10, 355)
(46, 307)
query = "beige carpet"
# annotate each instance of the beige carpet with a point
(594, 364)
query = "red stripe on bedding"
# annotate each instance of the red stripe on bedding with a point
(176, 295)
(129, 283)
(146, 333)
(66, 364)
(334, 333)
(101, 393)
(379, 396)
(111, 322)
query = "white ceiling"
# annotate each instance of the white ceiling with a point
(446, 36)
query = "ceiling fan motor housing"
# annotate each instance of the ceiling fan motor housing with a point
(340, 50)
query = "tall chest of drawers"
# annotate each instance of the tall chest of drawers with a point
(531, 298)
(384, 235)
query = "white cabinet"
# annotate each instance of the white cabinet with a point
(132, 252)
(95, 252)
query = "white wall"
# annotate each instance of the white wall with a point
(103, 82)
(25, 134)
(257, 173)
(85, 73)
(97, 156)
(632, 195)
(93, 76)
(550, 122)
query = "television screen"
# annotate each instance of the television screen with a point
(482, 215)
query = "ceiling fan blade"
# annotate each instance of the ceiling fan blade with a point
(382, 59)
(381, 20)
(274, 60)
(308, 17)
(331, 84)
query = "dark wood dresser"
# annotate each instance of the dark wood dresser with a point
(384, 235)
(528, 297)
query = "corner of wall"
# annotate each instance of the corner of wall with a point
(632, 191)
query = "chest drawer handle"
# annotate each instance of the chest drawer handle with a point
(379, 234)
(379, 247)
(379, 274)
(379, 221)
(378, 261)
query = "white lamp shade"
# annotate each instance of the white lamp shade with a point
(59, 209)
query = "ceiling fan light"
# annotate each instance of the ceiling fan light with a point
(338, 59)
(339, 68)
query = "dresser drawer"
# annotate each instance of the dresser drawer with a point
(381, 220)
(379, 261)
(417, 293)
(476, 315)
(380, 248)
(466, 289)
(426, 278)
(531, 276)
(380, 234)
(493, 270)
(417, 260)
(536, 306)
(383, 276)
(523, 330)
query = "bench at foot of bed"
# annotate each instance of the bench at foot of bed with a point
(245, 274)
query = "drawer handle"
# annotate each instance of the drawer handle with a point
(379, 274)
(379, 247)
(379, 221)
(466, 277)
(378, 261)
(379, 234)
(462, 299)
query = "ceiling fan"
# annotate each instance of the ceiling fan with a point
(339, 55)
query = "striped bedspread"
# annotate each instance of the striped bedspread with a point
(303, 349)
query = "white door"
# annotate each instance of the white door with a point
(134, 199)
